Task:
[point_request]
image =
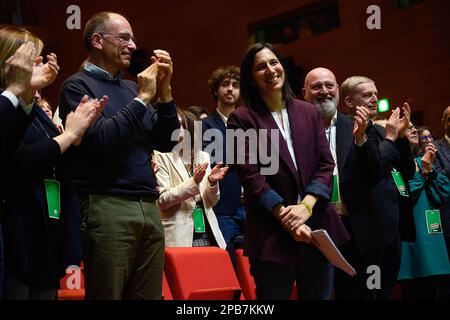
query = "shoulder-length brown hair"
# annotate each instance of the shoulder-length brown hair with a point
(11, 38)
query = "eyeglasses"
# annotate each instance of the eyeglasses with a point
(425, 138)
(411, 128)
(123, 38)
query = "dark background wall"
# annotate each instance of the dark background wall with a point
(409, 58)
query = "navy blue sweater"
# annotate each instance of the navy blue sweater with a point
(115, 152)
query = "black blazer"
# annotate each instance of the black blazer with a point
(230, 186)
(377, 213)
(38, 249)
(13, 123)
(8, 113)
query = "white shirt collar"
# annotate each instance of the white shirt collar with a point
(224, 119)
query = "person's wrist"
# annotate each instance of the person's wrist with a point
(211, 183)
(361, 140)
(307, 206)
(71, 136)
(277, 209)
(144, 97)
(166, 95)
(391, 136)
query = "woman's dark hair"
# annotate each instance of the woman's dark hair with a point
(421, 129)
(249, 92)
(418, 151)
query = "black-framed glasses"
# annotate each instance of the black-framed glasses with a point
(124, 38)
(411, 128)
(427, 137)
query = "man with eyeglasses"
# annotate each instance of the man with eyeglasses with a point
(442, 165)
(123, 239)
(385, 215)
(354, 153)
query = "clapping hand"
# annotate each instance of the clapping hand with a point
(85, 114)
(147, 83)
(164, 63)
(18, 69)
(217, 173)
(361, 122)
(405, 120)
(199, 172)
(44, 74)
(428, 158)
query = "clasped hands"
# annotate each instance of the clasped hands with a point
(293, 219)
(157, 77)
(396, 126)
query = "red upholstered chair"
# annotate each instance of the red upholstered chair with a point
(246, 279)
(72, 285)
(244, 276)
(167, 293)
(201, 273)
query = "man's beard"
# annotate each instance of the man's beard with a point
(227, 103)
(327, 107)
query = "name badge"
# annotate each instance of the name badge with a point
(400, 183)
(433, 218)
(199, 220)
(52, 191)
(335, 197)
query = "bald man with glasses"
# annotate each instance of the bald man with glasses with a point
(123, 238)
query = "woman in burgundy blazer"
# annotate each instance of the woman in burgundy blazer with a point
(279, 205)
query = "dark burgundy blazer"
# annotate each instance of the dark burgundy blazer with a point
(265, 238)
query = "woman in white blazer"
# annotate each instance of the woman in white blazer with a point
(185, 186)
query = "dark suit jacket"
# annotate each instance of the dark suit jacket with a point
(265, 237)
(355, 166)
(13, 123)
(442, 160)
(442, 166)
(7, 113)
(376, 212)
(37, 248)
(230, 186)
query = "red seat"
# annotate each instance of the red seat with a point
(167, 293)
(201, 273)
(72, 285)
(246, 279)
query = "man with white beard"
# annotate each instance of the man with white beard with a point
(354, 153)
(322, 90)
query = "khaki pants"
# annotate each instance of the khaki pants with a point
(123, 248)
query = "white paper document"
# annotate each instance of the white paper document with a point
(331, 252)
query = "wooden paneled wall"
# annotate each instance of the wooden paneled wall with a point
(409, 58)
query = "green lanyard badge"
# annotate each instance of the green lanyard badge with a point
(400, 183)
(335, 197)
(433, 218)
(199, 220)
(52, 190)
